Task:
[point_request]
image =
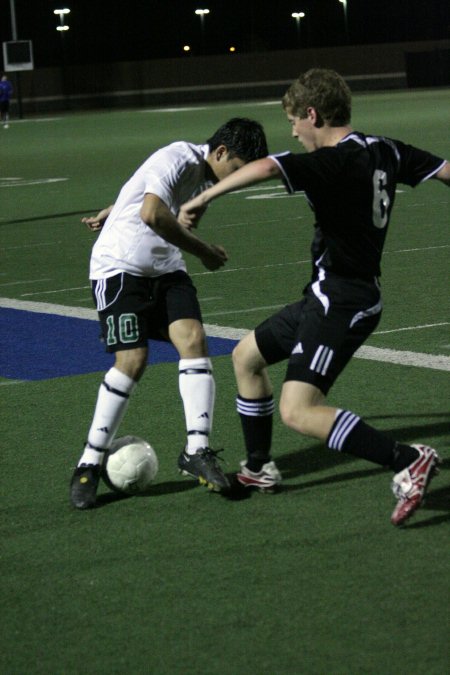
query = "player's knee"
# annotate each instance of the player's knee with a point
(132, 362)
(294, 417)
(188, 338)
(240, 360)
(195, 341)
(236, 358)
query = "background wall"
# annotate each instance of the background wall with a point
(234, 76)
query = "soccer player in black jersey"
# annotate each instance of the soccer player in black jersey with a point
(349, 179)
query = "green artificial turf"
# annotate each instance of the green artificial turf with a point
(311, 581)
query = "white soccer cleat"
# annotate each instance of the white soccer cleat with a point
(266, 480)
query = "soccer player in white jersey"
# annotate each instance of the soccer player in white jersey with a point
(142, 291)
(349, 179)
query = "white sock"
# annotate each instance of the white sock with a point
(198, 390)
(112, 402)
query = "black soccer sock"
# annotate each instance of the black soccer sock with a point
(256, 419)
(351, 435)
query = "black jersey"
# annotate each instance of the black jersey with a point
(351, 189)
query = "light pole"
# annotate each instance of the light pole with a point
(202, 13)
(344, 4)
(298, 16)
(62, 28)
(12, 8)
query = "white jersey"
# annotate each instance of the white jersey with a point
(175, 174)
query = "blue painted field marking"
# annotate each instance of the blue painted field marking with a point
(37, 346)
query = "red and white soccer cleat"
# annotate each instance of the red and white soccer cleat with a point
(266, 480)
(409, 486)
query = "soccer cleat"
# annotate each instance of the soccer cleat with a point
(83, 486)
(266, 480)
(409, 486)
(204, 466)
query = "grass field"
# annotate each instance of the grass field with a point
(311, 581)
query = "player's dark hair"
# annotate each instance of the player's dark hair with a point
(322, 89)
(243, 138)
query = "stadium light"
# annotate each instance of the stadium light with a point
(202, 13)
(298, 16)
(62, 12)
(344, 5)
(62, 29)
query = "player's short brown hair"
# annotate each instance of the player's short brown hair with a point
(324, 90)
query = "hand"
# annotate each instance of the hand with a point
(190, 213)
(215, 258)
(95, 223)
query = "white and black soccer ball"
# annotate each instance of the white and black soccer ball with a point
(130, 465)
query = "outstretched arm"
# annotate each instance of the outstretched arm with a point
(254, 172)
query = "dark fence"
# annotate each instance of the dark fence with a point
(428, 69)
(228, 77)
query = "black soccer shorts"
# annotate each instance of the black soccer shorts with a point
(133, 309)
(319, 337)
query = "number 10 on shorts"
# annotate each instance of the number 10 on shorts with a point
(128, 329)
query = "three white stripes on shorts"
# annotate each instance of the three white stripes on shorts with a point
(322, 359)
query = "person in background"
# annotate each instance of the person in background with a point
(6, 91)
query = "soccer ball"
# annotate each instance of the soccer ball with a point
(131, 465)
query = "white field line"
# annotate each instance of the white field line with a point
(403, 358)
(36, 119)
(5, 383)
(243, 311)
(42, 243)
(58, 290)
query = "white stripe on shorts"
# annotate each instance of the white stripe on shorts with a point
(322, 359)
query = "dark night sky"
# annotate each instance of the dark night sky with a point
(109, 30)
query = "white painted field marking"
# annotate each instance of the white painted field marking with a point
(173, 110)
(20, 182)
(243, 311)
(42, 243)
(414, 250)
(403, 358)
(36, 119)
(399, 330)
(254, 267)
(4, 383)
(49, 308)
(58, 290)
